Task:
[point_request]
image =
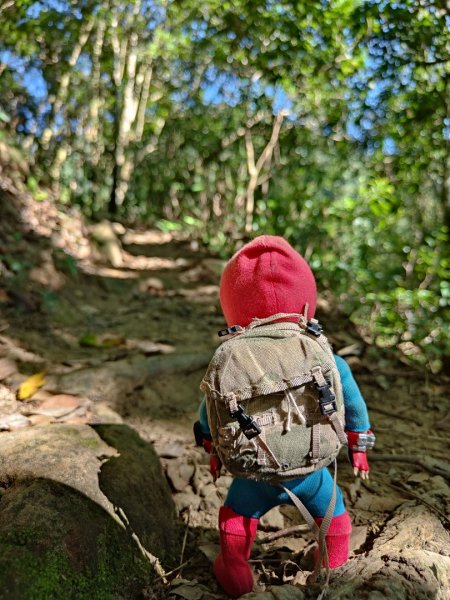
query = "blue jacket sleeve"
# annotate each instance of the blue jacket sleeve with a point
(203, 418)
(356, 415)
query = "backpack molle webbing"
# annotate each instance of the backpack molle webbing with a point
(274, 400)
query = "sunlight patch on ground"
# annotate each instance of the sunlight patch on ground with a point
(91, 269)
(149, 237)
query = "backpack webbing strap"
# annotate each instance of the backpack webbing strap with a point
(315, 443)
(337, 425)
(272, 318)
(322, 383)
(265, 448)
(250, 428)
(324, 526)
(319, 533)
(323, 342)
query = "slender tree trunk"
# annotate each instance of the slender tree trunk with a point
(125, 77)
(254, 168)
(143, 101)
(93, 130)
(112, 205)
(63, 90)
(445, 196)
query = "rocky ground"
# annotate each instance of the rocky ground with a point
(119, 325)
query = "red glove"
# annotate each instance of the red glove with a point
(203, 439)
(215, 464)
(358, 444)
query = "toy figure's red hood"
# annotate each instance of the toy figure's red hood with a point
(265, 277)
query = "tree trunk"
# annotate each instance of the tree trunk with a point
(255, 168)
(125, 76)
(61, 96)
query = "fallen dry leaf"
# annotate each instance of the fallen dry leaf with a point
(41, 395)
(57, 405)
(190, 590)
(91, 340)
(148, 347)
(30, 386)
(210, 551)
(78, 413)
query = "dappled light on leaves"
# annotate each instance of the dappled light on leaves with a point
(142, 143)
(326, 123)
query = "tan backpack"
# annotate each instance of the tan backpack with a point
(274, 400)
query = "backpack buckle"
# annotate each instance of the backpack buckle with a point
(249, 426)
(230, 330)
(314, 327)
(327, 400)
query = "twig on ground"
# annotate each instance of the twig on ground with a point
(183, 546)
(270, 537)
(154, 560)
(266, 560)
(414, 460)
(186, 562)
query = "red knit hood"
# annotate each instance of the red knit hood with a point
(265, 277)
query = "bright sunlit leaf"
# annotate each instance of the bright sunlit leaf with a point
(31, 385)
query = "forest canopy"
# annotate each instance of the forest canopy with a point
(327, 122)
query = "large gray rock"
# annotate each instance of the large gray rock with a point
(410, 559)
(80, 516)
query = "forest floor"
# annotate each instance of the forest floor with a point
(75, 300)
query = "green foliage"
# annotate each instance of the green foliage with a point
(164, 112)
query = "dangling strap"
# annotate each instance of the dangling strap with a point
(292, 403)
(324, 526)
(265, 448)
(319, 533)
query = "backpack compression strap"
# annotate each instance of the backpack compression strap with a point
(328, 404)
(250, 428)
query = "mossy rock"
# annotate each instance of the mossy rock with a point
(79, 512)
(140, 489)
(57, 543)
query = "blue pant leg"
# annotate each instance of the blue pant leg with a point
(315, 491)
(254, 498)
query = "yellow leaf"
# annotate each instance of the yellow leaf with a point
(31, 385)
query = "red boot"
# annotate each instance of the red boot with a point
(237, 534)
(337, 539)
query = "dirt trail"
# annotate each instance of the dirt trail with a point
(77, 317)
